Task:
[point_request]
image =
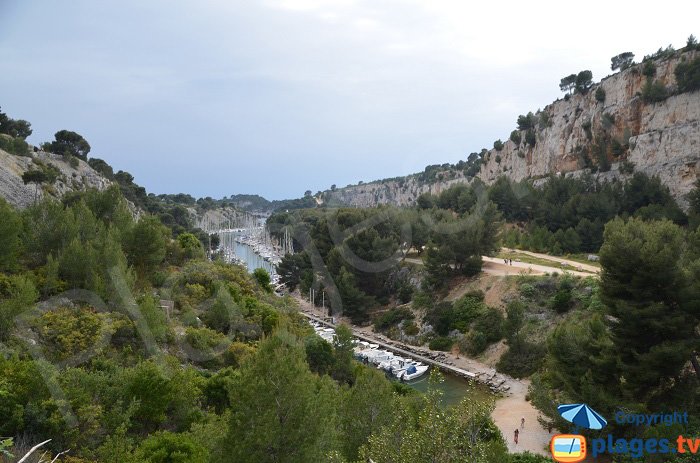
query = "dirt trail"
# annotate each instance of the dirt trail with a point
(495, 266)
(561, 260)
(510, 407)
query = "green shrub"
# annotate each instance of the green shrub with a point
(561, 302)
(600, 95)
(522, 358)
(688, 75)
(654, 92)
(443, 343)
(392, 318)
(473, 343)
(515, 137)
(498, 145)
(527, 122)
(531, 137)
(527, 290)
(16, 146)
(649, 69)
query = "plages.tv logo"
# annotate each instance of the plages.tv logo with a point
(571, 448)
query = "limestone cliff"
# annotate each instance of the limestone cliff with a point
(68, 178)
(581, 134)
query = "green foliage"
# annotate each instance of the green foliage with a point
(70, 143)
(280, 411)
(584, 81)
(145, 245)
(515, 137)
(527, 122)
(167, 447)
(649, 69)
(17, 295)
(16, 128)
(263, 279)
(622, 61)
(102, 167)
(522, 359)
(654, 91)
(319, 355)
(531, 137)
(443, 343)
(568, 83)
(600, 94)
(66, 331)
(462, 433)
(498, 145)
(645, 289)
(16, 146)
(688, 75)
(190, 246)
(367, 407)
(10, 243)
(392, 317)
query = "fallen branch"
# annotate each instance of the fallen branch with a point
(33, 449)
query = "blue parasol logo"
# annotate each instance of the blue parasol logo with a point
(582, 416)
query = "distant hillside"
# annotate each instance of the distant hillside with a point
(638, 120)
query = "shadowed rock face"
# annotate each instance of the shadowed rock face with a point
(13, 189)
(661, 139)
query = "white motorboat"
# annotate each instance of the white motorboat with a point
(413, 372)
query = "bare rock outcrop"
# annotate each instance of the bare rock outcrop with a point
(69, 178)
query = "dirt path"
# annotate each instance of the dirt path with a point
(510, 407)
(495, 266)
(561, 260)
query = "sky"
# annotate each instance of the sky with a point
(275, 97)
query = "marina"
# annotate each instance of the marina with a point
(495, 383)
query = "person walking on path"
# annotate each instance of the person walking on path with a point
(522, 423)
(515, 436)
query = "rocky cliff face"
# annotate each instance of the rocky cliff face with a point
(69, 178)
(581, 134)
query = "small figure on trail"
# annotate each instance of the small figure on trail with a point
(505, 261)
(511, 261)
(522, 423)
(549, 428)
(515, 436)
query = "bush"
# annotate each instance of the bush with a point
(527, 122)
(649, 69)
(530, 137)
(688, 75)
(15, 146)
(498, 145)
(473, 343)
(443, 343)
(600, 95)
(522, 358)
(561, 302)
(654, 92)
(515, 137)
(392, 318)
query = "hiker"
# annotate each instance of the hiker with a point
(505, 261)
(511, 261)
(522, 423)
(515, 436)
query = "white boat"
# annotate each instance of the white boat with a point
(413, 372)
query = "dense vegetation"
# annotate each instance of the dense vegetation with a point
(632, 344)
(230, 373)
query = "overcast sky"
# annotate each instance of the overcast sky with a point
(274, 97)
